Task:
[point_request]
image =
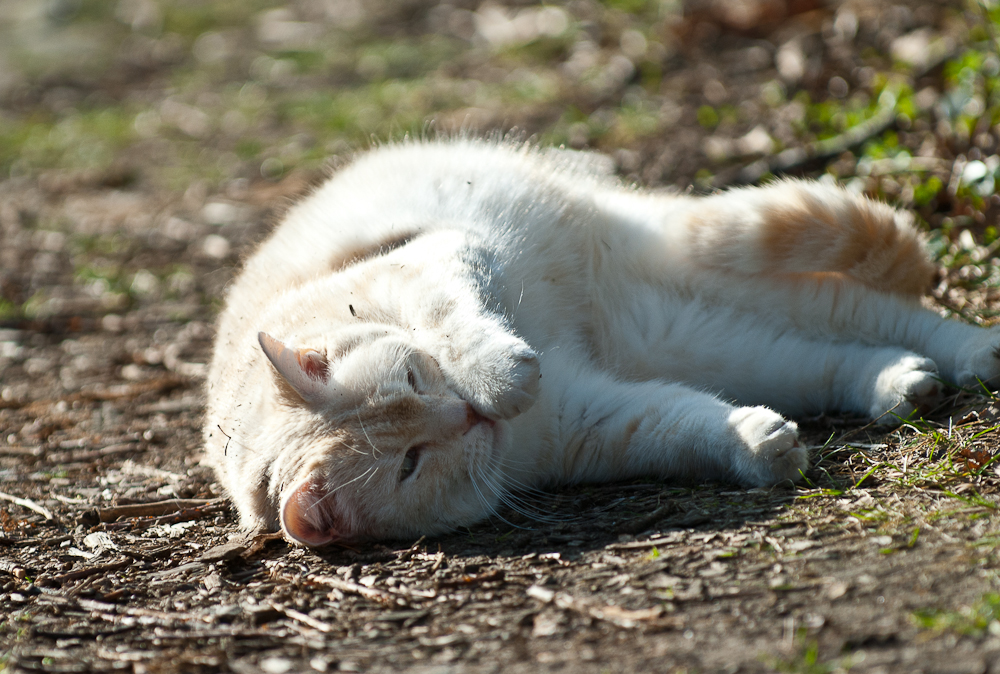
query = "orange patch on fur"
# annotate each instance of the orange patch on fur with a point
(630, 430)
(867, 246)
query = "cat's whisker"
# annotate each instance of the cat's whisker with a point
(514, 500)
(492, 510)
(375, 450)
(522, 507)
(370, 476)
(355, 450)
(518, 485)
(514, 485)
(339, 487)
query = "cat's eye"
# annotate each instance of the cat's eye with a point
(409, 463)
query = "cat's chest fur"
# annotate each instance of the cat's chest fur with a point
(441, 325)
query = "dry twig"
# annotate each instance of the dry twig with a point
(27, 503)
(156, 508)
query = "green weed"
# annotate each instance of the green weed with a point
(975, 620)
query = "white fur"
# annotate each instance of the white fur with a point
(598, 332)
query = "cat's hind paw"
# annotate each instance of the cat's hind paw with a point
(980, 364)
(771, 451)
(910, 385)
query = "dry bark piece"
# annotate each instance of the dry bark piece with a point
(90, 571)
(174, 505)
(225, 552)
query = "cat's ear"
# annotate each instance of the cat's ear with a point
(308, 515)
(307, 371)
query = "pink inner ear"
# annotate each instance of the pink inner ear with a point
(313, 364)
(306, 370)
(307, 514)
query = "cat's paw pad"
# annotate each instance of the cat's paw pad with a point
(981, 363)
(772, 451)
(910, 385)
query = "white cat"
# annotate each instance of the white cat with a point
(443, 323)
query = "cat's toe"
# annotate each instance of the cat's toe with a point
(772, 452)
(907, 387)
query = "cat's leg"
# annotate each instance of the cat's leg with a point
(748, 358)
(802, 255)
(965, 354)
(484, 361)
(594, 427)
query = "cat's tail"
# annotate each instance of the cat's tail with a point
(794, 227)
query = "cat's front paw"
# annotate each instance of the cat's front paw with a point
(771, 451)
(909, 385)
(500, 378)
(518, 384)
(980, 364)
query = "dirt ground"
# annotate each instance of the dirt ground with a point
(145, 146)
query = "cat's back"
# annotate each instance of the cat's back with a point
(502, 191)
(394, 193)
(415, 186)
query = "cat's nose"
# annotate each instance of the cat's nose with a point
(455, 416)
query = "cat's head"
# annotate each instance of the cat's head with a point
(376, 443)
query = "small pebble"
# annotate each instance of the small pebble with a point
(275, 665)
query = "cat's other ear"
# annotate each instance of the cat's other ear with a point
(306, 371)
(308, 516)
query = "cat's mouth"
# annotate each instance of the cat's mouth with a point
(475, 419)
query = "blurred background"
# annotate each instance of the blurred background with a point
(180, 125)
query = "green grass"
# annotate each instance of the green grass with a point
(88, 139)
(977, 620)
(806, 659)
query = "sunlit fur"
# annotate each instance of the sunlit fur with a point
(523, 320)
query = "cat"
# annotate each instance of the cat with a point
(444, 324)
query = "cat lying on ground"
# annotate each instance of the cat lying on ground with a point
(443, 324)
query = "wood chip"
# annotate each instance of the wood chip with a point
(647, 521)
(226, 551)
(91, 454)
(353, 588)
(616, 615)
(8, 450)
